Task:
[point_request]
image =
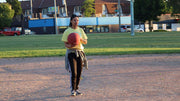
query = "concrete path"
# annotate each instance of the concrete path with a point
(109, 78)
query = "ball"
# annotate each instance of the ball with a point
(74, 39)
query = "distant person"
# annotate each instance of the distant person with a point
(74, 37)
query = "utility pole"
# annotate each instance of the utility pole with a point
(55, 17)
(31, 8)
(119, 9)
(132, 17)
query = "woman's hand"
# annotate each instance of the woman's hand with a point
(68, 45)
(83, 41)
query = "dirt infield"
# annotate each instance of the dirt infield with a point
(109, 78)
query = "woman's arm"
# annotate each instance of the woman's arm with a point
(67, 45)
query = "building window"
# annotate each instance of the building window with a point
(104, 29)
(98, 29)
(45, 11)
(27, 12)
(51, 10)
(104, 10)
(77, 10)
(62, 11)
(44, 29)
(168, 26)
(89, 29)
(159, 26)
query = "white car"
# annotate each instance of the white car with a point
(125, 27)
(27, 31)
(138, 29)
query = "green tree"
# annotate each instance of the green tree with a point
(6, 15)
(149, 10)
(88, 8)
(16, 5)
(174, 5)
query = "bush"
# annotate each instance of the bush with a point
(160, 30)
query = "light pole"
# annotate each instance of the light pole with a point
(55, 17)
(132, 17)
(119, 9)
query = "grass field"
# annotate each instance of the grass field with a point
(98, 44)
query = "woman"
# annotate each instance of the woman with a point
(75, 58)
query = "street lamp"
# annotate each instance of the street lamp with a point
(132, 16)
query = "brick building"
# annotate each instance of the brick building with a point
(45, 8)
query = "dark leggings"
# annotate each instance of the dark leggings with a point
(76, 69)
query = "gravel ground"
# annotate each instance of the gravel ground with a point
(149, 77)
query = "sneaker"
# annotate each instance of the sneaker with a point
(73, 93)
(78, 93)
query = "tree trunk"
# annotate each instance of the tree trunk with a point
(150, 25)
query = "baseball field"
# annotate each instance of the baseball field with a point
(98, 44)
